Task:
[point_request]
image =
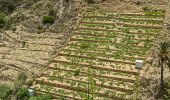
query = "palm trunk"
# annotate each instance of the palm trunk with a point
(88, 87)
(88, 91)
(162, 80)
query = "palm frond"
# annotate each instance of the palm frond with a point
(164, 45)
(168, 61)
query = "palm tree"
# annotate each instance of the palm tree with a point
(163, 59)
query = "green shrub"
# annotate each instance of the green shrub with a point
(84, 46)
(5, 21)
(11, 7)
(48, 19)
(67, 1)
(22, 93)
(5, 91)
(29, 82)
(90, 1)
(77, 72)
(7, 6)
(2, 20)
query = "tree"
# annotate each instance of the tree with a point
(163, 59)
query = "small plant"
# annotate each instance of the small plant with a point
(48, 19)
(146, 8)
(23, 44)
(11, 7)
(138, 3)
(5, 91)
(52, 12)
(22, 93)
(90, 1)
(2, 20)
(66, 1)
(77, 72)
(29, 82)
(40, 29)
(84, 46)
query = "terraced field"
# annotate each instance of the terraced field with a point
(98, 62)
(25, 52)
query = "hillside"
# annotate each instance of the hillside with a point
(74, 49)
(28, 44)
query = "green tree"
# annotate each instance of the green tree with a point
(163, 59)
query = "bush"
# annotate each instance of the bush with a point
(7, 6)
(11, 7)
(90, 1)
(22, 93)
(5, 91)
(2, 20)
(77, 72)
(48, 19)
(29, 82)
(67, 1)
(5, 21)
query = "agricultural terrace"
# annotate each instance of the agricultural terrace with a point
(98, 61)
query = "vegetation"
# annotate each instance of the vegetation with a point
(43, 97)
(166, 92)
(48, 19)
(90, 1)
(19, 90)
(29, 82)
(67, 1)
(22, 93)
(98, 61)
(98, 55)
(164, 59)
(5, 91)
(2, 20)
(7, 6)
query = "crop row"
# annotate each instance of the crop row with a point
(123, 20)
(147, 14)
